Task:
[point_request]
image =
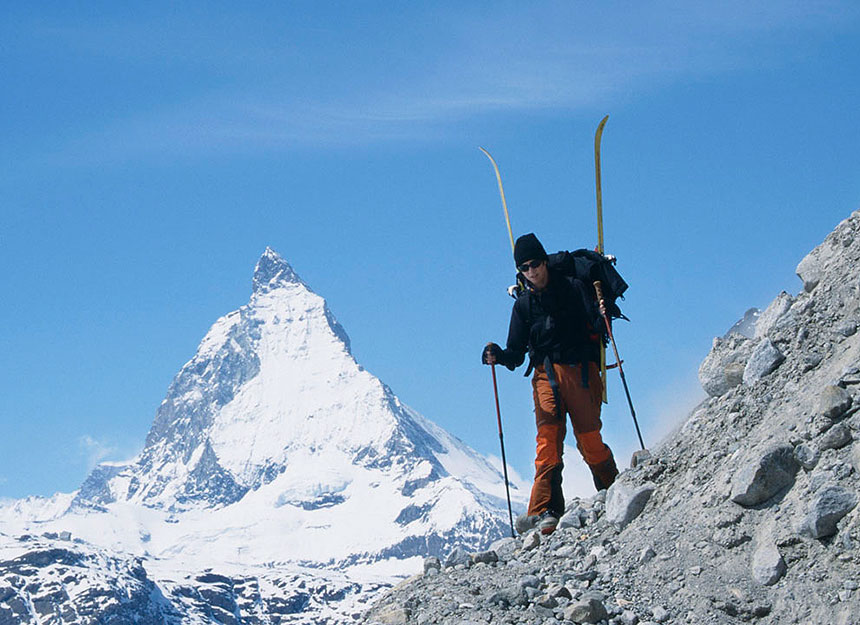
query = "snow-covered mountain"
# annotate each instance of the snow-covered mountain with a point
(274, 448)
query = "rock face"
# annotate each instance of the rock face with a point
(752, 515)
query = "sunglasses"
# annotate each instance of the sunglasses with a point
(529, 265)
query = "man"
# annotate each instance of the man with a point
(556, 319)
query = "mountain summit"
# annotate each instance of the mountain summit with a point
(273, 446)
(273, 271)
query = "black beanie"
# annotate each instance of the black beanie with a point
(528, 247)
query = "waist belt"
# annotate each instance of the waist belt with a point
(553, 381)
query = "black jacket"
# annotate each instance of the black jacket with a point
(561, 323)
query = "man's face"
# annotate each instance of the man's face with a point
(535, 272)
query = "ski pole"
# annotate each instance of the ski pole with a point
(599, 290)
(502, 443)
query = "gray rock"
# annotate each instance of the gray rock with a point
(505, 546)
(642, 456)
(628, 617)
(806, 456)
(834, 401)
(588, 611)
(557, 590)
(714, 374)
(511, 596)
(660, 614)
(457, 556)
(646, 555)
(624, 503)
(393, 615)
(848, 328)
(811, 360)
(762, 478)
(827, 509)
(529, 581)
(531, 540)
(570, 519)
(855, 456)
(777, 308)
(809, 270)
(763, 360)
(820, 424)
(836, 437)
(768, 566)
(485, 557)
(432, 562)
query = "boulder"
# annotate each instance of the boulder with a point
(624, 503)
(571, 519)
(531, 540)
(642, 456)
(809, 269)
(826, 510)
(485, 557)
(762, 478)
(457, 556)
(834, 401)
(836, 437)
(763, 360)
(806, 456)
(588, 611)
(505, 546)
(723, 367)
(777, 308)
(768, 566)
(432, 562)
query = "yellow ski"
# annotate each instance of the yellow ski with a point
(502, 193)
(597, 137)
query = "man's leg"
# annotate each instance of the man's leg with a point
(584, 403)
(546, 491)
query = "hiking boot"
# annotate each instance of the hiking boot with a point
(547, 522)
(604, 474)
(525, 522)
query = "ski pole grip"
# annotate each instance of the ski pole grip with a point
(599, 290)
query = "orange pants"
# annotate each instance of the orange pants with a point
(583, 404)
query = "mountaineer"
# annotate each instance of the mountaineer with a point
(556, 319)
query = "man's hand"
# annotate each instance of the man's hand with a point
(491, 354)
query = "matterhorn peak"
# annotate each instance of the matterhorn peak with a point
(273, 271)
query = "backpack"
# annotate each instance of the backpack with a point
(590, 266)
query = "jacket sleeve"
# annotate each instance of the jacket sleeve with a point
(518, 339)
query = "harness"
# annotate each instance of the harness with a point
(555, 356)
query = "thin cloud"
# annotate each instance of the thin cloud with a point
(570, 58)
(95, 450)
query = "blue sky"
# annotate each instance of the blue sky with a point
(150, 155)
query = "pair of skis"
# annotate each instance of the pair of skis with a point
(598, 135)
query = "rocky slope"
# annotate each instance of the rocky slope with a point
(746, 513)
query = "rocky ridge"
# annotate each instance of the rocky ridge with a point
(746, 513)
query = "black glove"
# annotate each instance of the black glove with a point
(495, 350)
